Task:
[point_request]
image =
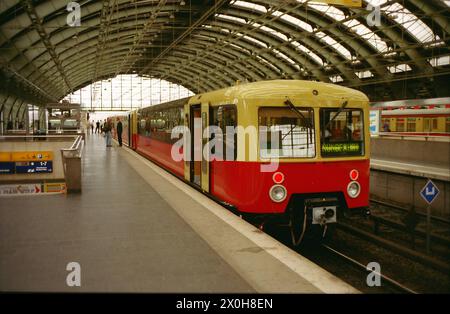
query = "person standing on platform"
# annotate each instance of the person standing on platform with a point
(119, 131)
(97, 127)
(92, 127)
(107, 127)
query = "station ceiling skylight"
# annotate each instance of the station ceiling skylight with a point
(249, 5)
(399, 68)
(410, 22)
(335, 45)
(208, 44)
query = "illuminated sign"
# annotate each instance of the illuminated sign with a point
(7, 167)
(345, 3)
(34, 166)
(32, 156)
(374, 121)
(341, 148)
(5, 156)
(26, 162)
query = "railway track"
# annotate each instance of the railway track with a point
(401, 277)
(410, 221)
(386, 280)
(397, 229)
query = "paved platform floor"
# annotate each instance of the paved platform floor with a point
(136, 228)
(122, 233)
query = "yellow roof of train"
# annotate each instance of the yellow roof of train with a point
(329, 93)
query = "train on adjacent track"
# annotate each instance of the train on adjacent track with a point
(295, 152)
(414, 117)
(434, 121)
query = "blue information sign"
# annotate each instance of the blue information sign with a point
(429, 192)
(7, 167)
(34, 167)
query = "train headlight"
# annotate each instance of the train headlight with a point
(278, 193)
(353, 189)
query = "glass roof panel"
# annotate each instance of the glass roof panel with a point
(328, 10)
(333, 43)
(364, 32)
(293, 21)
(282, 55)
(126, 92)
(410, 22)
(256, 41)
(248, 5)
(398, 68)
(336, 79)
(307, 51)
(231, 18)
(440, 61)
(364, 74)
(271, 31)
(267, 63)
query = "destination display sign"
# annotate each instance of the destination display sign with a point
(336, 149)
(34, 166)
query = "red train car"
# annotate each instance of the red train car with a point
(299, 151)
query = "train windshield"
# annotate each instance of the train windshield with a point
(341, 132)
(284, 133)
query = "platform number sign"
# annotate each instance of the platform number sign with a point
(429, 192)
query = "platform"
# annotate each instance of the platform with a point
(136, 228)
(436, 171)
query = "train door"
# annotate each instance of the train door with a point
(426, 124)
(195, 128)
(205, 152)
(130, 125)
(198, 172)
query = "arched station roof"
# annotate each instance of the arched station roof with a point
(209, 44)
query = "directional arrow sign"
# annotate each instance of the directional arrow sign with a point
(429, 192)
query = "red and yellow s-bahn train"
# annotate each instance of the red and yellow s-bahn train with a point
(299, 152)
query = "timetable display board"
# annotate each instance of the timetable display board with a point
(26, 162)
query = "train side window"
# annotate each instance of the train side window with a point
(400, 125)
(447, 125)
(435, 123)
(411, 125)
(223, 117)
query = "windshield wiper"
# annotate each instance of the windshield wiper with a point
(344, 104)
(305, 121)
(291, 106)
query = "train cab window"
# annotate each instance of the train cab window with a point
(293, 132)
(341, 132)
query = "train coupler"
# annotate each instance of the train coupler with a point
(324, 210)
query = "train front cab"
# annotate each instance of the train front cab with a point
(323, 161)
